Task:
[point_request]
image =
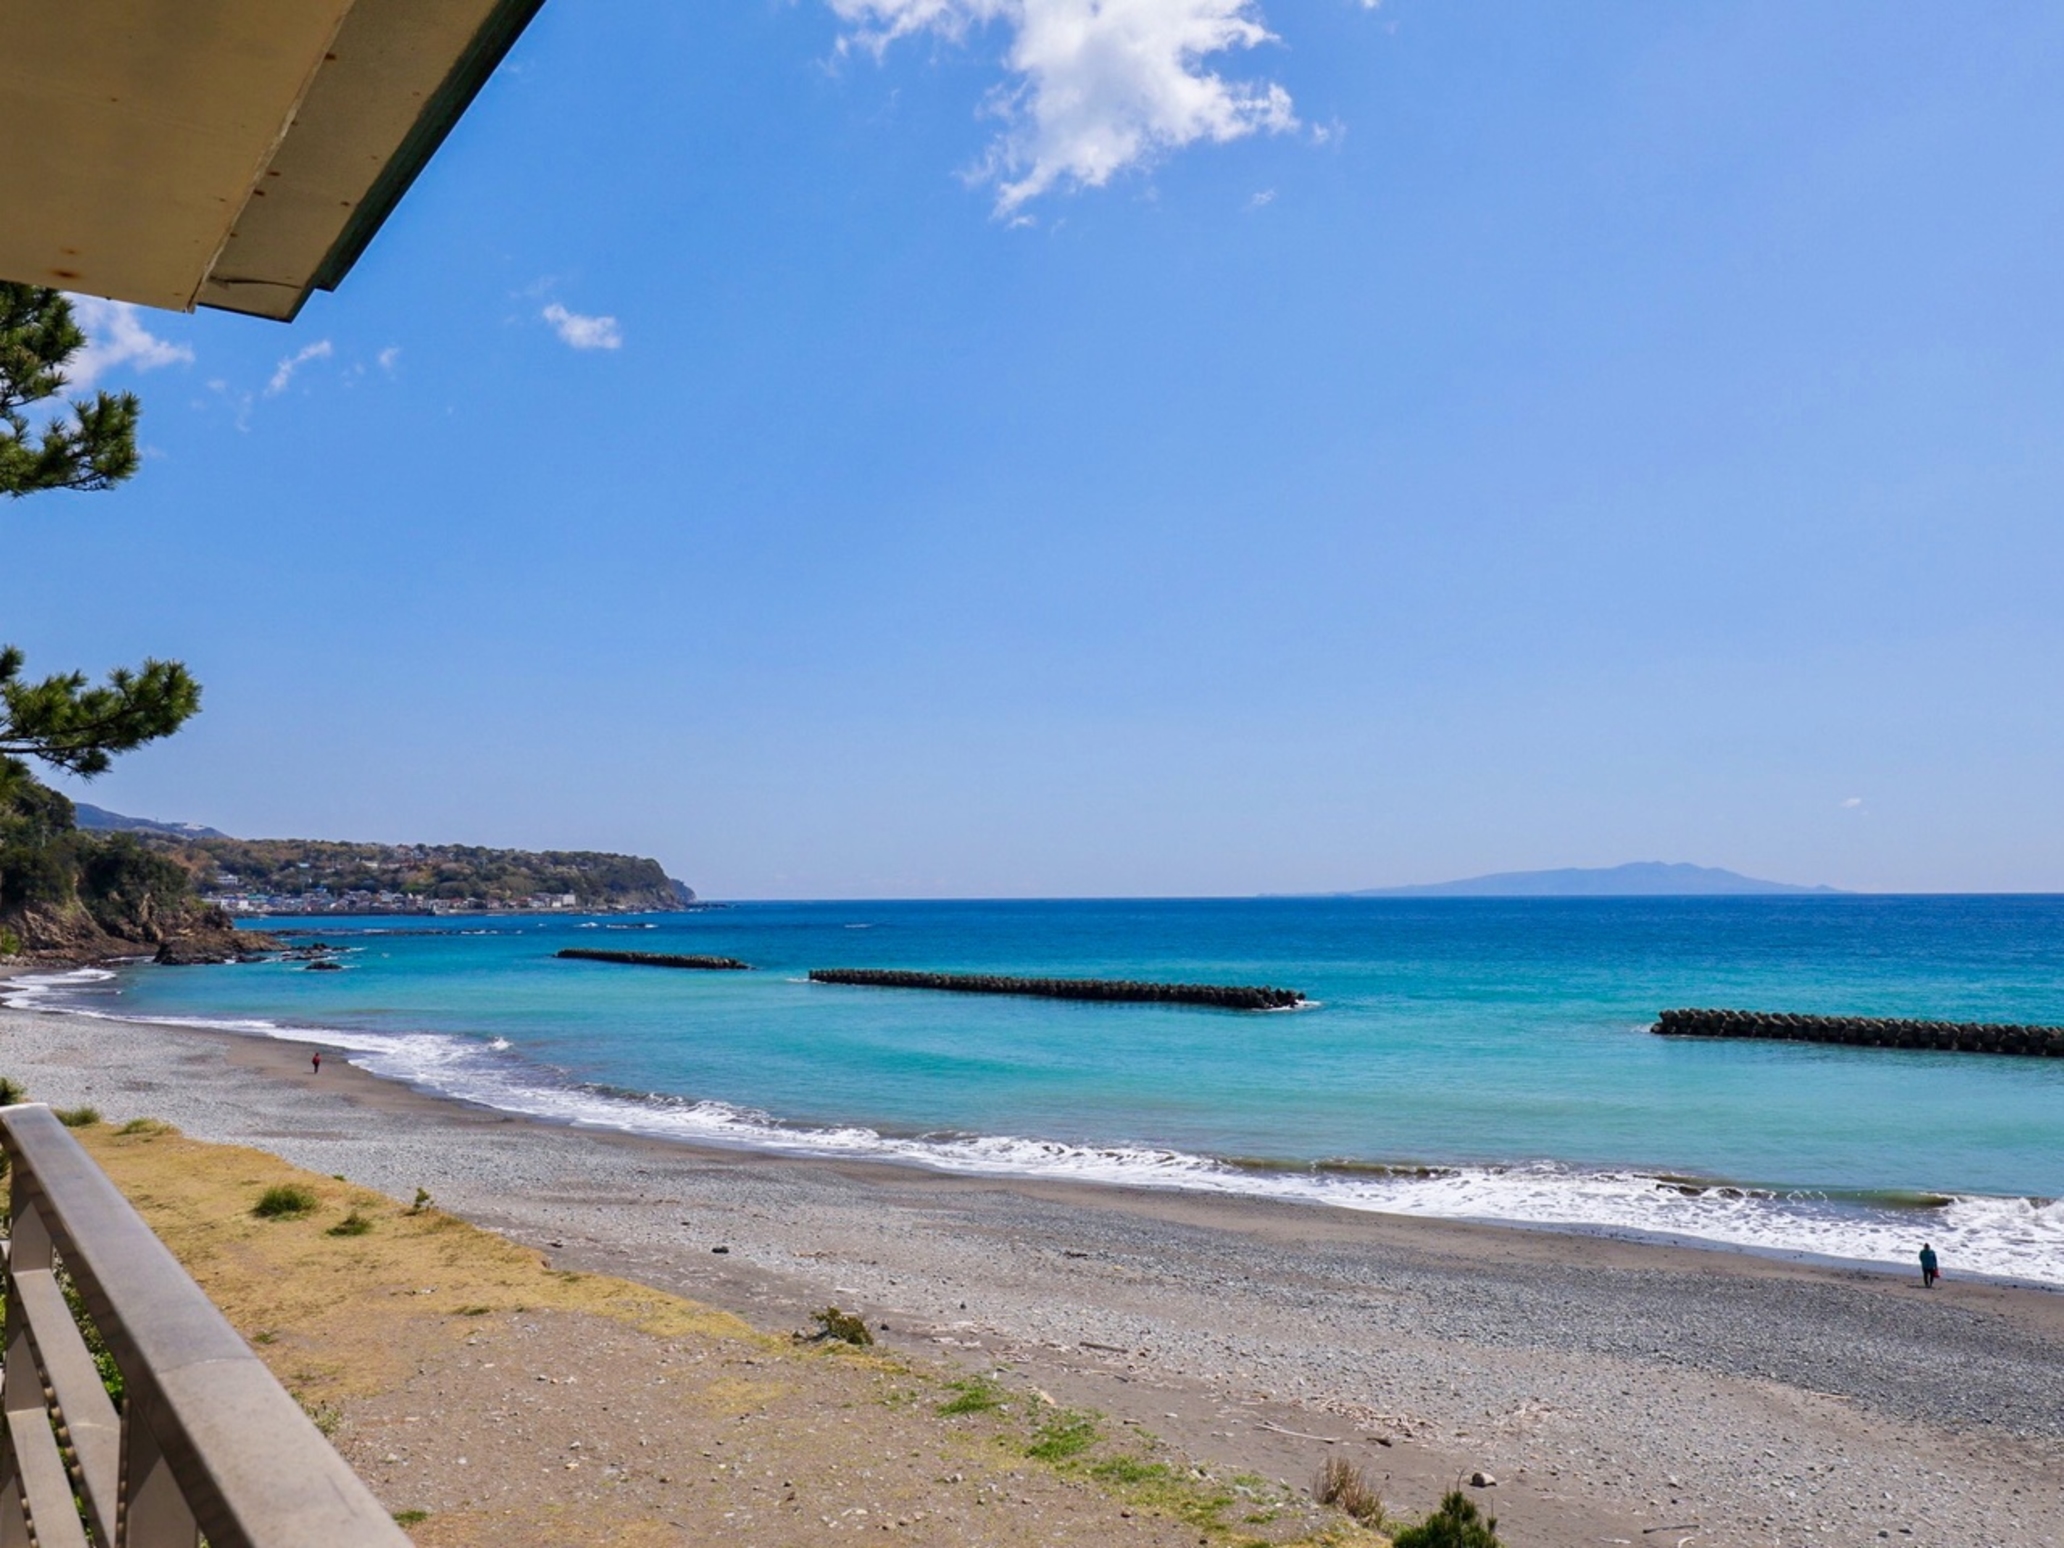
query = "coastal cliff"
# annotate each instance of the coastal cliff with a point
(67, 895)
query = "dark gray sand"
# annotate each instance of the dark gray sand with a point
(1618, 1392)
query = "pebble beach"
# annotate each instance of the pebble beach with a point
(1605, 1390)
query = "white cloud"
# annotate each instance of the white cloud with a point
(1852, 803)
(583, 332)
(388, 356)
(1100, 85)
(116, 336)
(319, 350)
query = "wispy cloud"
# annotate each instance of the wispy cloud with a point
(583, 332)
(1852, 803)
(116, 337)
(1097, 85)
(238, 400)
(388, 356)
(319, 350)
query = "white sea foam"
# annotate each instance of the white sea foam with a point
(27, 991)
(2008, 1238)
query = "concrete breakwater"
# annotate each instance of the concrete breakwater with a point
(1220, 996)
(1865, 1031)
(656, 959)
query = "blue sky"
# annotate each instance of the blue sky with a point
(908, 447)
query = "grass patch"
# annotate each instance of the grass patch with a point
(1165, 1488)
(353, 1224)
(1069, 1433)
(411, 1517)
(844, 1327)
(1341, 1483)
(76, 1117)
(422, 1202)
(1137, 1470)
(474, 1311)
(146, 1126)
(973, 1395)
(285, 1201)
(328, 1418)
(12, 1091)
(1131, 1471)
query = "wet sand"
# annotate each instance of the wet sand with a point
(1617, 1391)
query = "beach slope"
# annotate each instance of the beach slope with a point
(1613, 1389)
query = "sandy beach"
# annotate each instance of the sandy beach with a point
(1616, 1391)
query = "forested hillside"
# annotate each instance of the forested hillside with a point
(66, 892)
(288, 875)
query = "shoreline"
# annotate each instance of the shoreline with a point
(1610, 1385)
(1874, 1229)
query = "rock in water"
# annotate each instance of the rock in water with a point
(214, 938)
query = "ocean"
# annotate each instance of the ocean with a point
(1470, 1058)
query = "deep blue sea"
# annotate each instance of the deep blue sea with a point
(1474, 1058)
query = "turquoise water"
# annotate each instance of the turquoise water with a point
(1501, 1043)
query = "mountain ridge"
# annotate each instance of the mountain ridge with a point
(98, 819)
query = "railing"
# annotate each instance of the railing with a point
(206, 1443)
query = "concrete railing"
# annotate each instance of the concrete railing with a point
(206, 1443)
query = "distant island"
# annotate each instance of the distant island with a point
(1640, 879)
(317, 876)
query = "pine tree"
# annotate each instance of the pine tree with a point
(88, 444)
(93, 446)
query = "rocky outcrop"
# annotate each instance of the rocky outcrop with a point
(1866, 1031)
(213, 938)
(1218, 996)
(64, 933)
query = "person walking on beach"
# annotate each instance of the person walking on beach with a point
(317, 1061)
(1928, 1265)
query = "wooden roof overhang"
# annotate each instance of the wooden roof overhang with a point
(235, 154)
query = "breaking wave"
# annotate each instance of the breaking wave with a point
(2019, 1239)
